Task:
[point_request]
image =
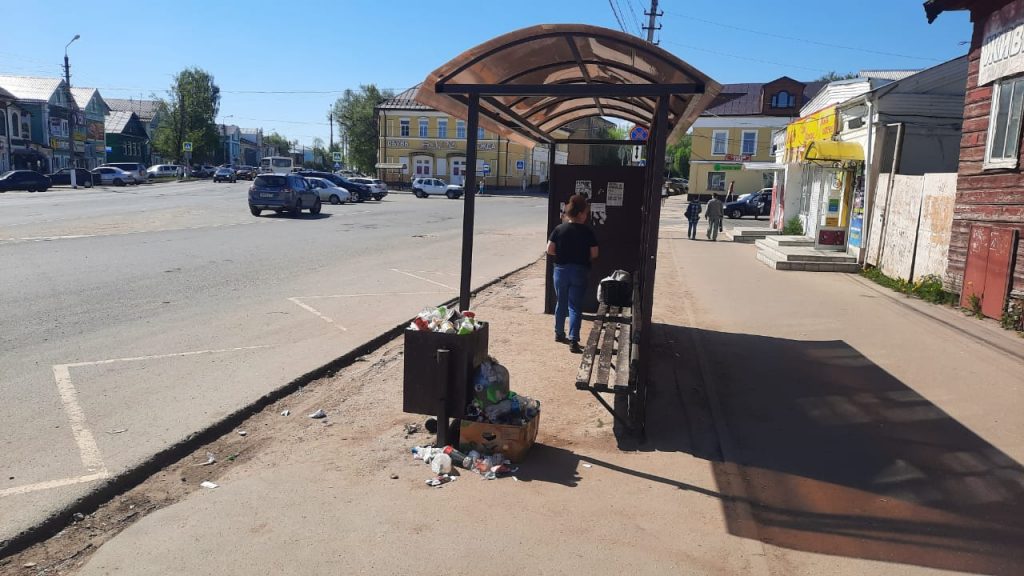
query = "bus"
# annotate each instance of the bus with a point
(276, 164)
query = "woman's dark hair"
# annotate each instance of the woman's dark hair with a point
(577, 205)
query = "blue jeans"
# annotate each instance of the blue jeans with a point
(570, 288)
(691, 232)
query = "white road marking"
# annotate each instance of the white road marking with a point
(365, 294)
(87, 448)
(298, 302)
(422, 278)
(78, 236)
(53, 484)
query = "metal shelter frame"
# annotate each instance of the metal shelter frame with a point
(526, 84)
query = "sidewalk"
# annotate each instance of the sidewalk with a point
(798, 424)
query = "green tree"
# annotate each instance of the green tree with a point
(610, 155)
(188, 114)
(832, 76)
(355, 113)
(275, 140)
(679, 157)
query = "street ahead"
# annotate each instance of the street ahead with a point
(135, 316)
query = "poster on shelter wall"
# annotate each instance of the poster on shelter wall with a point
(583, 188)
(598, 213)
(1002, 49)
(616, 193)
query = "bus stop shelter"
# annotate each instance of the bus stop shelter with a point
(527, 84)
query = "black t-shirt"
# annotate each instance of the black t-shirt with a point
(572, 243)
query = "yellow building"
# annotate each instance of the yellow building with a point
(417, 141)
(738, 128)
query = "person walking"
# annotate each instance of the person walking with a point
(693, 217)
(573, 245)
(714, 214)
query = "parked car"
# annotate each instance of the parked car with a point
(282, 193)
(424, 187)
(115, 176)
(676, 186)
(361, 192)
(755, 204)
(83, 177)
(329, 191)
(137, 170)
(378, 187)
(246, 172)
(225, 174)
(165, 171)
(203, 171)
(29, 180)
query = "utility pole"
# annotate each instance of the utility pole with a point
(71, 113)
(330, 118)
(653, 15)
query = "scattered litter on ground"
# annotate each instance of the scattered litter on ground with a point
(286, 413)
(411, 429)
(588, 465)
(210, 459)
(208, 484)
(318, 414)
(78, 516)
(441, 480)
(242, 433)
(394, 476)
(29, 565)
(232, 457)
(117, 431)
(431, 425)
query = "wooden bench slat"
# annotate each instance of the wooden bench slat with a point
(604, 363)
(587, 364)
(622, 356)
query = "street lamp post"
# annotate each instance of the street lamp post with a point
(71, 113)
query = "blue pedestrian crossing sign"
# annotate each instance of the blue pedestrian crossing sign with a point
(186, 146)
(487, 168)
(638, 134)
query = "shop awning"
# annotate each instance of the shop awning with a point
(833, 151)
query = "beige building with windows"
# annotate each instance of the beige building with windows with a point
(737, 128)
(418, 142)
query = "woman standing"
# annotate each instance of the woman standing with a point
(573, 244)
(693, 217)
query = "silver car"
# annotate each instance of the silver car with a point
(329, 191)
(377, 187)
(137, 170)
(114, 176)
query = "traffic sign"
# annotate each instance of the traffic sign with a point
(337, 166)
(520, 165)
(487, 168)
(186, 146)
(337, 157)
(639, 134)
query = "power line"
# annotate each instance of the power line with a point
(737, 56)
(618, 18)
(805, 40)
(631, 10)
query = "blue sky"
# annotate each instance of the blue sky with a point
(315, 49)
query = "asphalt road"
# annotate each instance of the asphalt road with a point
(135, 316)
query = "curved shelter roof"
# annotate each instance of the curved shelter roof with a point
(534, 80)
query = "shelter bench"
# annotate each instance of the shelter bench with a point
(612, 351)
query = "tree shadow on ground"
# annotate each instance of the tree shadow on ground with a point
(816, 448)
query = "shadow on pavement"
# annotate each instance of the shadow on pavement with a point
(834, 454)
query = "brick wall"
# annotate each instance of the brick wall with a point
(994, 197)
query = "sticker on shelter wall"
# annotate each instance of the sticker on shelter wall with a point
(616, 193)
(583, 188)
(598, 213)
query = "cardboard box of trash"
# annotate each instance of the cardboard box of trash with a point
(512, 441)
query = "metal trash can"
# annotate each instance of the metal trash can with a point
(421, 391)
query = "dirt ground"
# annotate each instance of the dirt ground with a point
(315, 491)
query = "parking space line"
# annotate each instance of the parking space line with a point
(160, 356)
(365, 294)
(298, 302)
(422, 278)
(87, 448)
(50, 484)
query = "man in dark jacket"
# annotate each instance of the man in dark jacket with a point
(714, 214)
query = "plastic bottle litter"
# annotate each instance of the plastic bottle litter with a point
(445, 320)
(286, 412)
(458, 458)
(441, 480)
(318, 414)
(441, 464)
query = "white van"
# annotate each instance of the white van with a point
(165, 171)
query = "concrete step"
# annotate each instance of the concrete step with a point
(777, 241)
(758, 232)
(780, 261)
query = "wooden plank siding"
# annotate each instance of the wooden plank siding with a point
(992, 197)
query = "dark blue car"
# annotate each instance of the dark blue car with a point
(756, 204)
(28, 180)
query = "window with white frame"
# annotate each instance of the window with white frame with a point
(719, 142)
(782, 99)
(460, 129)
(424, 126)
(442, 128)
(748, 145)
(1003, 146)
(480, 133)
(403, 127)
(716, 181)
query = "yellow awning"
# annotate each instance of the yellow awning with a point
(832, 151)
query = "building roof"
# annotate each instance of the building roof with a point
(229, 130)
(29, 88)
(745, 99)
(250, 134)
(405, 100)
(118, 120)
(5, 95)
(534, 80)
(887, 74)
(145, 109)
(83, 96)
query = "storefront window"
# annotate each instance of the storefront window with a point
(716, 181)
(1004, 124)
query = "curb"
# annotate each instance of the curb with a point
(132, 477)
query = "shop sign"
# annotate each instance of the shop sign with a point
(440, 144)
(1002, 50)
(818, 126)
(736, 158)
(58, 144)
(55, 127)
(392, 143)
(727, 167)
(95, 130)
